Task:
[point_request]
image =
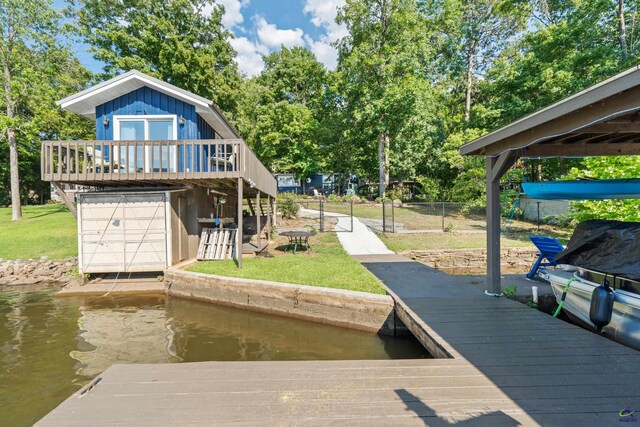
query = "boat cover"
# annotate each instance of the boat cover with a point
(611, 247)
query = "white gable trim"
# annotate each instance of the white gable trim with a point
(85, 102)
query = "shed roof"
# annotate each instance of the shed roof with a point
(85, 102)
(600, 120)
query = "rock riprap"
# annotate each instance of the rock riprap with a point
(18, 272)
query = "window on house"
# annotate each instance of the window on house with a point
(162, 158)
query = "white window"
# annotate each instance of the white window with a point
(147, 128)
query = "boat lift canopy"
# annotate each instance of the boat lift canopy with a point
(602, 120)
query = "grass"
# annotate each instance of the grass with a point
(326, 265)
(429, 241)
(428, 216)
(47, 230)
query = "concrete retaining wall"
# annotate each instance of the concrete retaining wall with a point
(474, 261)
(356, 310)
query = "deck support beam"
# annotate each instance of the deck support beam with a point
(239, 236)
(67, 201)
(496, 168)
(258, 225)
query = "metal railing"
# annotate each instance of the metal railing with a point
(104, 161)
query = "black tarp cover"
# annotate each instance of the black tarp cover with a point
(611, 247)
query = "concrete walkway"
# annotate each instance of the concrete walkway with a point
(361, 240)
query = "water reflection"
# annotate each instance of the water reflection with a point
(49, 347)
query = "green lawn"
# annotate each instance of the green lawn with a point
(326, 265)
(428, 241)
(47, 230)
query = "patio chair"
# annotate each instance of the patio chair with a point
(549, 248)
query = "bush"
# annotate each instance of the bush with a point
(334, 198)
(352, 198)
(287, 205)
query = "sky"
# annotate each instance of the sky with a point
(262, 26)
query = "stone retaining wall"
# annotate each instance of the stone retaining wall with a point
(22, 272)
(474, 261)
(356, 310)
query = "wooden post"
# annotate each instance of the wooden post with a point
(258, 237)
(496, 167)
(239, 232)
(275, 212)
(269, 219)
(68, 202)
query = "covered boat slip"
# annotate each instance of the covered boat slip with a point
(603, 120)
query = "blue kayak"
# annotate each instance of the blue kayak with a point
(584, 190)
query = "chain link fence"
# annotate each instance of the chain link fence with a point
(412, 218)
(329, 216)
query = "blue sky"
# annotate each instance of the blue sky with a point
(262, 26)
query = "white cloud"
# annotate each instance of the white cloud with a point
(324, 52)
(249, 58)
(233, 12)
(323, 14)
(273, 37)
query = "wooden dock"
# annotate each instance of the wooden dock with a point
(509, 365)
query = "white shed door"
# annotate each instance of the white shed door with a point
(123, 232)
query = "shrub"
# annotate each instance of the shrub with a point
(287, 205)
(334, 198)
(352, 198)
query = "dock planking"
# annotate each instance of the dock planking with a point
(511, 365)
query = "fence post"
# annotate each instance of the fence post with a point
(443, 227)
(393, 217)
(352, 214)
(384, 218)
(321, 215)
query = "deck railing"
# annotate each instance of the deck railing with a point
(102, 161)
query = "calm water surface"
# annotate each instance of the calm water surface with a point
(50, 347)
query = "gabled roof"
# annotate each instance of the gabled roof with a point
(85, 102)
(542, 125)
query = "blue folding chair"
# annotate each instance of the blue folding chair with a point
(549, 248)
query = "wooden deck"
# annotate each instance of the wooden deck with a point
(509, 365)
(155, 163)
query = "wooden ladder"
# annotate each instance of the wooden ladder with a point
(216, 243)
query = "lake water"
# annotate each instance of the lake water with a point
(52, 346)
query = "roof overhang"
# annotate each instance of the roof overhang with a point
(84, 103)
(603, 119)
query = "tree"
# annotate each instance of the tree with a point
(28, 31)
(179, 41)
(475, 32)
(607, 168)
(385, 50)
(282, 110)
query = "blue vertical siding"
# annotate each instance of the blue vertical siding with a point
(147, 101)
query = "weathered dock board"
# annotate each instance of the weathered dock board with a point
(511, 365)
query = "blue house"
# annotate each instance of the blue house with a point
(166, 165)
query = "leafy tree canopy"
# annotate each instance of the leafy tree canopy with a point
(179, 41)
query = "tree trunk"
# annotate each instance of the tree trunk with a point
(16, 207)
(622, 35)
(383, 162)
(469, 85)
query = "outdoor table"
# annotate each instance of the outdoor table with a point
(298, 238)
